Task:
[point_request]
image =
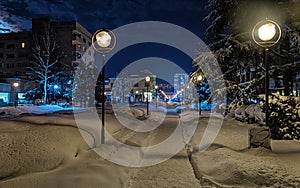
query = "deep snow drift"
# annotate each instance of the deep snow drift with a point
(49, 151)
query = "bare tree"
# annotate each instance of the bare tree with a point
(47, 56)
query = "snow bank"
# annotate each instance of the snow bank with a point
(46, 109)
(256, 167)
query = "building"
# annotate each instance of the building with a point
(180, 81)
(132, 88)
(71, 36)
(16, 53)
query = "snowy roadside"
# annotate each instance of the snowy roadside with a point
(228, 162)
(12, 112)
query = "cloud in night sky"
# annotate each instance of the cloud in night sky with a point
(16, 15)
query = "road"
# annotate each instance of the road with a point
(174, 172)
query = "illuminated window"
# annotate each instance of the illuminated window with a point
(23, 45)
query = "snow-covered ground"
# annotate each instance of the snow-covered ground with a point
(10, 111)
(48, 151)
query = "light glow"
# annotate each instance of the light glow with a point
(199, 78)
(16, 84)
(266, 32)
(103, 39)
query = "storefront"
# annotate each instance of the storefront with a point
(4, 94)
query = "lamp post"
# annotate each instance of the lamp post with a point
(266, 33)
(147, 79)
(16, 85)
(103, 41)
(200, 78)
(55, 87)
(156, 93)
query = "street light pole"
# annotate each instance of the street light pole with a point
(266, 33)
(103, 41)
(103, 101)
(147, 79)
(267, 85)
(16, 85)
(199, 80)
(156, 94)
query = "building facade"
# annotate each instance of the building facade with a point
(16, 54)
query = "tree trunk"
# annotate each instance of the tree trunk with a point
(45, 91)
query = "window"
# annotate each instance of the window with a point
(90, 43)
(9, 66)
(10, 56)
(22, 55)
(84, 40)
(1, 65)
(23, 45)
(1, 45)
(1, 55)
(10, 46)
(83, 48)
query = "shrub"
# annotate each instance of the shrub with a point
(284, 119)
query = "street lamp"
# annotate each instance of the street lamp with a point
(147, 79)
(266, 33)
(103, 41)
(156, 93)
(200, 78)
(55, 87)
(16, 85)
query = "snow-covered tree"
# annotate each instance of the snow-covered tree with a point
(229, 37)
(85, 81)
(47, 55)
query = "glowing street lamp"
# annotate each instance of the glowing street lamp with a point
(156, 93)
(55, 87)
(103, 41)
(199, 79)
(147, 79)
(266, 33)
(16, 85)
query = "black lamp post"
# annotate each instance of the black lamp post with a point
(266, 33)
(200, 78)
(147, 79)
(103, 41)
(16, 85)
(156, 94)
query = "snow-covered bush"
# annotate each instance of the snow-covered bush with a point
(284, 119)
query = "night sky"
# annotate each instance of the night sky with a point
(16, 15)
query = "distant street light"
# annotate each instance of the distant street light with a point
(200, 78)
(16, 85)
(147, 79)
(156, 93)
(103, 41)
(55, 87)
(266, 33)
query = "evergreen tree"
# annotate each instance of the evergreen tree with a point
(229, 37)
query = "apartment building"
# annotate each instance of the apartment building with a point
(16, 50)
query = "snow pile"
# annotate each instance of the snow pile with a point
(285, 117)
(46, 109)
(257, 167)
(52, 156)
